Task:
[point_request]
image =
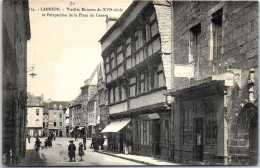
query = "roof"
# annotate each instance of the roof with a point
(119, 20)
(34, 101)
(126, 14)
(178, 90)
(92, 80)
(64, 104)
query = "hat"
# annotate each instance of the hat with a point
(71, 141)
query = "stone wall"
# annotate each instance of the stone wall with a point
(238, 51)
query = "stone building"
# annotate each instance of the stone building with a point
(93, 116)
(35, 110)
(57, 118)
(102, 97)
(136, 52)
(215, 82)
(15, 33)
(78, 107)
(45, 119)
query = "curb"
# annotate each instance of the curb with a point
(134, 160)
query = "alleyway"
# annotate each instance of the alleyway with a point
(58, 156)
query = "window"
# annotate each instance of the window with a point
(119, 56)
(37, 122)
(216, 30)
(60, 115)
(142, 132)
(37, 111)
(142, 83)
(151, 80)
(133, 86)
(187, 124)
(117, 94)
(54, 124)
(128, 47)
(111, 95)
(112, 61)
(43, 124)
(138, 39)
(123, 91)
(60, 123)
(211, 124)
(194, 43)
(107, 65)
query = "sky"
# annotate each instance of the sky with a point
(65, 50)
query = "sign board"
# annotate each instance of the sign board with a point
(184, 71)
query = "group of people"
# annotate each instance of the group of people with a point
(97, 142)
(72, 149)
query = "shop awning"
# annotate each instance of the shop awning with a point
(116, 126)
(80, 128)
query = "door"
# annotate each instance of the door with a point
(156, 138)
(198, 139)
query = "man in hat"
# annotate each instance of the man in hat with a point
(72, 149)
(84, 141)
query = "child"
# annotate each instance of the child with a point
(81, 152)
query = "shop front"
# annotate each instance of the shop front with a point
(151, 135)
(119, 136)
(81, 131)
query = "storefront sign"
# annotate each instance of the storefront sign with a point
(153, 116)
(184, 71)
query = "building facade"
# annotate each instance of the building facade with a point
(215, 83)
(57, 118)
(102, 99)
(136, 52)
(35, 109)
(45, 119)
(93, 116)
(15, 33)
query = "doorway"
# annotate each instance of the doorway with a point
(198, 139)
(156, 137)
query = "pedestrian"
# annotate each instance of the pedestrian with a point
(50, 141)
(29, 138)
(72, 149)
(54, 136)
(81, 152)
(92, 144)
(37, 144)
(102, 140)
(84, 141)
(95, 143)
(76, 136)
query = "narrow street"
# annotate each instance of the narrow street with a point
(57, 155)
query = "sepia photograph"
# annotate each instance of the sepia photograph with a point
(129, 83)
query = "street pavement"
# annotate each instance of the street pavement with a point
(57, 155)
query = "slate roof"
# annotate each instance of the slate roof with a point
(34, 101)
(64, 104)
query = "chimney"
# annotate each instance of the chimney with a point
(110, 21)
(42, 96)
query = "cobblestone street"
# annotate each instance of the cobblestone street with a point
(57, 155)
